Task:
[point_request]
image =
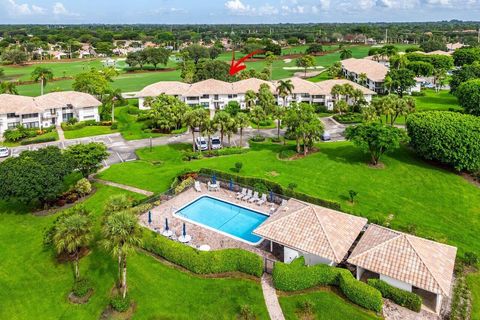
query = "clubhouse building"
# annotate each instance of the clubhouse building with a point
(215, 94)
(47, 110)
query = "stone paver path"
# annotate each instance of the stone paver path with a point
(271, 299)
(125, 187)
(61, 135)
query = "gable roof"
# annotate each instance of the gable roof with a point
(209, 86)
(422, 263)
(64, 98)
(303, 86)
(375, 71)
(254, 84)
(312, 229)
(327, 86)
(10, 103)
(172, 88)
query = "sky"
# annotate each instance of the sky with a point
(233, 11)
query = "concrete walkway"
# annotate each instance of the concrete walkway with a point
(124, 187)
(61, 135)
(271, 299)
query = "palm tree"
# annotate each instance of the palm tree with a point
(43, 75)
(121, 235)
(345, 54)
(111, 99)
(195, 118)
(209, 128)
(231, 129)
(250, 98)
(269, 59)
(278, 112)
(242, 122)
(363, 78)
(222, 119)
(8, 87)
(71, 234)
(285, 88)
(257, 115)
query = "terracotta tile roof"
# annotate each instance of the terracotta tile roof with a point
(303, 86)
(172, 88)
(327, 86)
(209, 86)
(254, 84)
(375, 71)
(64, 98)
(10, 103)
(422, 263)
(312, 229)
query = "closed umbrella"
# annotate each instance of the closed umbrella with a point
(166, 224)
(231, 184)
(184, 232)
(214, 179)
(149, 217)
(271, 196)
(166, 231)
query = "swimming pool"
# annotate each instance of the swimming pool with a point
(227, 218)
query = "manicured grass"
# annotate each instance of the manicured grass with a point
(412, 194)
(53, 133)
(326, 305)
(443, 101)
(128, 125)
(473, 281)
(35, 286)
(88, 131)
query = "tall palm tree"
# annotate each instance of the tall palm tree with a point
(209, 128)
(257, 115)
(345, 54)
(278, 113)
(71, 234)
(242, 122)
(121, 235)
(222, 119)
(250, 98)
(269, 59)
(8, 87)
(231, 129)
(111, 99)
(285, 88)
(43, 75)
(194, 118)
(363, 78)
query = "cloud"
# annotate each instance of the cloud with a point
(59, 9)
(23, 9)
(238, 7)
(441, 3)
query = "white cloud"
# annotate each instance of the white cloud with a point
(18, 9)
(59, 9)
(442, 3)
(237, 6)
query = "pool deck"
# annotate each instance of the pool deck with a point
(200, 235)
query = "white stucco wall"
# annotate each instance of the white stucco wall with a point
(311, 260)
(289, 255)
(396, 283)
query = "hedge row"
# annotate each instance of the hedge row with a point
(82, 124)
(297, 276)
(201, 262)
(448, 137)
(39, 139)
(401, 297)
(272, 186)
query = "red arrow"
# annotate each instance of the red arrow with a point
(239, 65)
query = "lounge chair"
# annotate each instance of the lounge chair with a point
(248, 196)
(242, 194)
(254, 198)
(197, 186)
(263, 200)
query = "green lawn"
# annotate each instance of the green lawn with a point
(473, 281)
(88, 131)
(415, 195)
(35, 286)
(128, 125)
(326, 306)
(53, 134)
(443, 101)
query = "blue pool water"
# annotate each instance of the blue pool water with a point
(225, 217)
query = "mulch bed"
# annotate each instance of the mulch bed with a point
(109, 313)
(65, 257)
(80, 300)
(53, 210)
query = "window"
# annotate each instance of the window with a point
(11, 115)
(89, 117)
(192, 98)
(215, 97)
(305, 95)
(67, 116)
(205, 104)
(13, 125)
(232, 96)
(205, 96)
(29, 115)
(29, 125)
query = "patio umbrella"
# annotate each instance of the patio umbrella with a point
(231, 184)
(166, 224)
(184, 232)
(214, 179)
(271, 196)
(149, 217)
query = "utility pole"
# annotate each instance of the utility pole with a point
(386, 36)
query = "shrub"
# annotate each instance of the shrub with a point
(276, 140)
(225, 152)
(133, 110)
(287, 154)
(72, 126)
(258, 138)
(190, 155)
(418, 94)
(289, 135)
(114, 126)
(352, 194)
(246, 313)
(447, 137)
(292, 185)
(306, 307)
(39, 139)
(348, 118)
(401, 297)
(184, 184)
(72, 120)
(83, 187)
(14, 135)
(81, 287)
(201, 262)
(470, 258)
(120, 304)
(360, 293)
(238, 166)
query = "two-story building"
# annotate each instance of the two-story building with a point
(374, 72)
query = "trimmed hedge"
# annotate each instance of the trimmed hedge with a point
(272, 186)
(39, 139)
(297, 276)
(203, 262)
(401, 297)
(448, 137)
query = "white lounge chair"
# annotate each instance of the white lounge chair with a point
(248, 196)
(262, 200)
(197, 186)
(242, 194)
(254, 198)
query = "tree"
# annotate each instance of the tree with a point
(266, 99)
(196, 52)
(233, 108)
(110, 100)
(314, 48)
(363, 78)
(116, 203)
(278, 113)
(43, 75)
(433, 45)
(71, 233)
(464, 74)
(212, 69)
(274, 48)
(134, 59)
(345, 54)
(375, 138)
(305, 62)
(14, 56)
(222, 119)
(420, 68)
(214, 52)
(166, 112)
(335, 70)
(250, 98)
(93, 82)
(188, 71)
(401, 80)
(195, 118)
(243, 122)
(468, 94)
(284, 89)
(439, 78)
(8, 87)
(121, 235)
(464, 56)
(157, 56)
(209, 128)
(258, 115)
(231, 129)
(87, 158)
(303, 123)
(269, 60)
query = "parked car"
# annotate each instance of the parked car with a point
(215, 143)
(4, 152)
(326, 136)
(201, 144)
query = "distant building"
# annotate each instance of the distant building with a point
(375, 73)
